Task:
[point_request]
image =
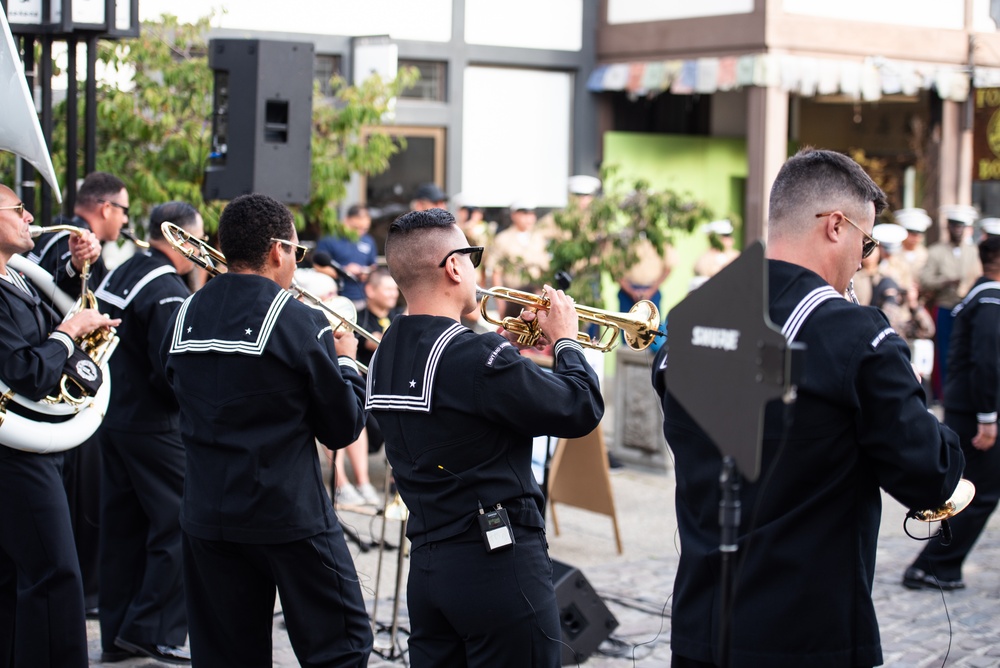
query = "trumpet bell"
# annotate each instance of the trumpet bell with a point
(956, 503)
(640, 331)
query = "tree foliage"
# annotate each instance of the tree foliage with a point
(154, 110)
(602, 238)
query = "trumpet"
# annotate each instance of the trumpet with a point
(129, 234)
(340, 311)
(640, 326)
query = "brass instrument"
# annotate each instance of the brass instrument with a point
(640, 325)
(98, 344)
(129, 234)
(197, 250)
(956, 503)
(339, 311)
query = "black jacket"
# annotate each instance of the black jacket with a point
(459, 411)
(258, 381)
(144, 292)
(973, 379)
(803, 595)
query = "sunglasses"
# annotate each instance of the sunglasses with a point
(475, 254)
(869, 244)
(19, 208)
(300, 251)
(115, 204)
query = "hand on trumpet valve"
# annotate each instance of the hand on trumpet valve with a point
(345, 342)
(83, 248)
(558, 321)
(85, 322)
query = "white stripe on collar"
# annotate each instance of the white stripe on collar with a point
(805, 308)
(988, 285)
(178, 345)
(403, 402)
(123, 302)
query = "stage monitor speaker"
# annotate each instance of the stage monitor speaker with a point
(586, 622)
(261, 119)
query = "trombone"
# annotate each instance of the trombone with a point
(640, 326)
(340, 314)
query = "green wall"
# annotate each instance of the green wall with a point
(710, 169)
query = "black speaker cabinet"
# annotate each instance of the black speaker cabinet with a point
(261, 119)
(586, 622)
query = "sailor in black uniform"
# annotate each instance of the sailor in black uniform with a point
(142, 457)
(859, 423)
(101, 208)
(259, 378)
(459, 411)
(971, 401)
(41, 593)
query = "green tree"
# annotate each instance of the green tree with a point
(601, 239)
(154, 112)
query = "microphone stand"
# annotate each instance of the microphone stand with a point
(730, 511)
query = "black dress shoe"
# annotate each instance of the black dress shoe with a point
(116, 655)
(914, 578)
(164, 653)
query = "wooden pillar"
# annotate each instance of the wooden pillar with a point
(955, 160)
(767, 150)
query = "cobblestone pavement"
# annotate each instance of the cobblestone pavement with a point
(920, 629)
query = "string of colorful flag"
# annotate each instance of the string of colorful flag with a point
(867, 81)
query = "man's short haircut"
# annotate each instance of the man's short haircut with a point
(181, 214)
(356, 210)
(377, 276)
(98, 186)
(246, 227)
(819, 179)
(989, 253)
(406, 247)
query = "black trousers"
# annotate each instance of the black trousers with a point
(142, 584)
(230, 591)
(982, 468)
(41, 597)
(471, 608)
(82, 479)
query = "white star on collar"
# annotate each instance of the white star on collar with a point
(248, 331)
(413, 383)
(189, 330)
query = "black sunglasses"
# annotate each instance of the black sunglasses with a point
(868, 244)
(123, 208)
(475, 254)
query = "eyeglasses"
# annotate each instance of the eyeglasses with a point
(115, 204)
(300, 251)
(475, 254)
(19, 208)
(870, 243)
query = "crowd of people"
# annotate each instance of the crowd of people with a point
(201, 496)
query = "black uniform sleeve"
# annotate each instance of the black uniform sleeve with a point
(336, 390)
(160, 321)
(918, 459)
(32, 371)
(565, 403)
(985, 344)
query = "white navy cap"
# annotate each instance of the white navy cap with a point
(522, 205)
(889, 235)
(960, 213)
(581, 184)
(990, 226)
(914, 220)
(723, 227)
